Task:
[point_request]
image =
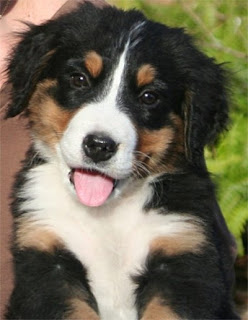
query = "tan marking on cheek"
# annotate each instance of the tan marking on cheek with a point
(190, 240)
(145, 75)
(155, 310)
(94, 63)
(81, 311)
(29, 235)
(48, 121)
(152, 148)
(155, 141)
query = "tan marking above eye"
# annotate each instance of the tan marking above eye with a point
(80, 310)
(94, 63)
(145, 75)
(155, 310)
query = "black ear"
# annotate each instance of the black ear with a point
(205, 108)
(26, 64)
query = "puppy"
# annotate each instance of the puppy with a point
(115, 216)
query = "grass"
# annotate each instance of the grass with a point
(220, 27)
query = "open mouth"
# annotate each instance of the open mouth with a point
(92, 187)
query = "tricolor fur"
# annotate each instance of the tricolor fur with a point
(155, 245)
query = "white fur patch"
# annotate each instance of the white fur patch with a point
(112, 241)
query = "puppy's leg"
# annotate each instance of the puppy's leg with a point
(50, 285)
(183, 286)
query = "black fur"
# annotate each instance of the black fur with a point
(186, 291)
(45, 283)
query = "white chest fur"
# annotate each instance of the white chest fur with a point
(112, 242)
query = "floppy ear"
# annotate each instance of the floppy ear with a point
(205, 107)
(25, 66)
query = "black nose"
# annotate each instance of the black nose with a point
(99, 147)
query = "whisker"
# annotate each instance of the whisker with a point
(140, 168)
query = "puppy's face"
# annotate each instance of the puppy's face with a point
(107, 98)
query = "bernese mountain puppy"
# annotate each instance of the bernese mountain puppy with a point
(115, 215)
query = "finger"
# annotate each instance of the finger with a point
(71, 5)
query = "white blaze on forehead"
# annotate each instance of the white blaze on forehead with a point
(106, 117)
(117, 79)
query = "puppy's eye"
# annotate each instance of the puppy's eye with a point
(79, 80)
(149, 98)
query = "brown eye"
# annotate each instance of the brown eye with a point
(149, 98)
(79, 80)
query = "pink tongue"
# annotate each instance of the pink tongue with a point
(92, 188)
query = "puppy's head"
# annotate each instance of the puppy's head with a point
(112, 95)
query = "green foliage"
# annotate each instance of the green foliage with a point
(220, 27)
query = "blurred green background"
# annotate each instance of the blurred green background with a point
(221, 31)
